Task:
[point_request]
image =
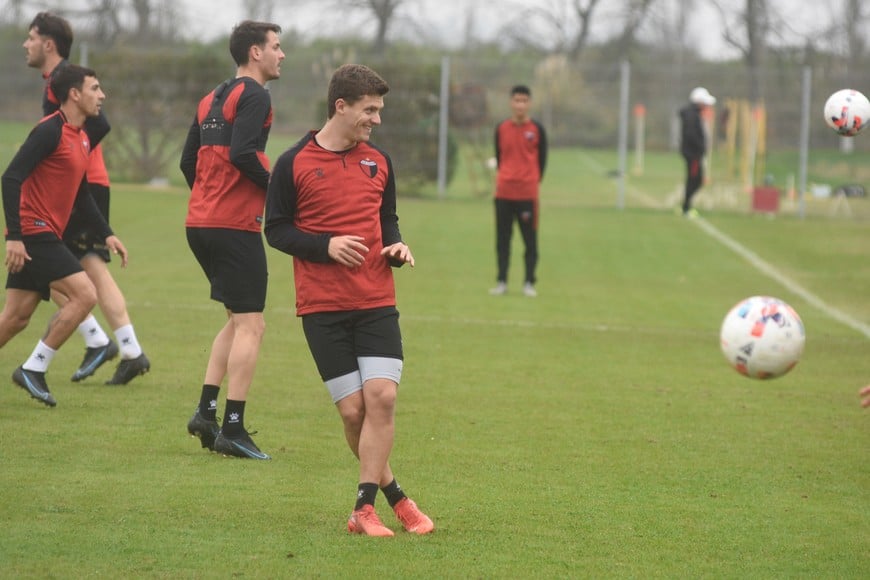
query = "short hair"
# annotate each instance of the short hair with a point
(521, 90)
(246, 34)
(352, 82)
(55, 28)
(69, 77)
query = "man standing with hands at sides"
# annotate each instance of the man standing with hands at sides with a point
(521, 157)
(43, 183)
(225, 165)
(48, 45)
(331, 204)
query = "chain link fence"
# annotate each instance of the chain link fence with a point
(578, 104)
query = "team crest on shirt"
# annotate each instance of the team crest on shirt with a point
(530, 135)
(369, 167)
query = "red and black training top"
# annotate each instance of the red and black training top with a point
(316, 194)
(521, 154)
(46, 179)
(224, 158)
(97, 173)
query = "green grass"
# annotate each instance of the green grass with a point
(595, 431)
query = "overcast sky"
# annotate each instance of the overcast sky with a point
(445, 21)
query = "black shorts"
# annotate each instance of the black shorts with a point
(79, 237)
(337, 339)
(234, 261)
(50, 260)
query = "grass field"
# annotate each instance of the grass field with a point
(595, 431)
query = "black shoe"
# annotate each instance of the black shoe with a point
(34, 383)
(206, 430)
(94, 359)
(129, 369)
(240, 446)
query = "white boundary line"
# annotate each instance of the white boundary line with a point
(753, 258)
(771, 272)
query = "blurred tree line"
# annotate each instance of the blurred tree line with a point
(154, 76)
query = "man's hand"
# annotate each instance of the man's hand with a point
(399, 251)
(348, 250)
(16, 255)
(117, 248)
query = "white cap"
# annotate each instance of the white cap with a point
(702, 96)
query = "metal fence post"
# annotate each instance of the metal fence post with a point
(625, 70)
(443, 117)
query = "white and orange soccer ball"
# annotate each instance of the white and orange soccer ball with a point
(847, 112)
(762, 337)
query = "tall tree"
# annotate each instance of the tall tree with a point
(748, 31)
(856, 41)
(262, 10)
(636, 12)
(558, 26)
(13, 11)
(142, 10)
(106, 15)
(384, 12)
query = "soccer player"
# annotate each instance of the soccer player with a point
(48, 48)
(225, 165)
(521, 158)
(331, 204)
(43, 183)
(693, 144)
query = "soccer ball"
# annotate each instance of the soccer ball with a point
(762, 337)
(847, 112)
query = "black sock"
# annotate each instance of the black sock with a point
(394, 493)
(234, 418)
(366, 494)
(208, 402)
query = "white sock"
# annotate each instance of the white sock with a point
(93, 333)
(40, 358)
(127, 341)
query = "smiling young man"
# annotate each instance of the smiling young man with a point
(331, 204)
(43, 183)
(225, 164)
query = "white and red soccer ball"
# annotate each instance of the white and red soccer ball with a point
(847, 112)
(762, 337)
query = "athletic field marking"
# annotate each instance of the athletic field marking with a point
(590, 326)
(771, 272)
(764, 267)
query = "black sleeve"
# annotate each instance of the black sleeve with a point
(87, 208)
(97, 128)
(542, 148)
(190, 153)
(251, 115)
(281, 231)
(389, 219)
(497, 150)
(42, 142)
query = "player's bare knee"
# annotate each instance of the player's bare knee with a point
(352, 416)
(380, 394)
(14, 321)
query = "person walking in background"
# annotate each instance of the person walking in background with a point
(521, 158)
(44, 182)
(331, 204)
(693, 144)
(48, 45)
(224, 162)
